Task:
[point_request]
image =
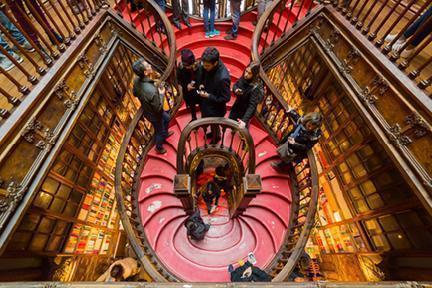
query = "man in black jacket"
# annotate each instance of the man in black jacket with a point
(186, 76)
(213, 84)
(249, 273)
(152, 99)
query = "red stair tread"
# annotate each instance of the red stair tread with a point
(154, 185)
(261, 228)
(151, 205)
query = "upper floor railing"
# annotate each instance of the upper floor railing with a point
(402, 30)
(35, 34)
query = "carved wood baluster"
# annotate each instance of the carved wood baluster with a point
(416, 72)
(38, 48)
(391, 27)
(374, 34)
(12, 100)
(61, 46)
(377, 13)
(405, 63)
(21, 88)
(63, 21)
(41, 22)
(224, 128)
(298, 13)
(76, 27)
(352, 10)
(362, 21)
(281, 11)
(355, 18)
(289, 12)
(425, 83)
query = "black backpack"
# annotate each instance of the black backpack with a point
(195, 226)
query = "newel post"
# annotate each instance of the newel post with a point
(252, 186)
(182, 189)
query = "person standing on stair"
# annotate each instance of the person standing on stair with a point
(262, 6)
(213, 82)
(152, 99)
(301, 139)
(249, 93)
(209, 24)
(235, 15)
(186, 76)
(181, 13)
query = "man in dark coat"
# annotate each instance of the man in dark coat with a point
(152, 99)
(213, 84)
(180, 13)
(186, 76)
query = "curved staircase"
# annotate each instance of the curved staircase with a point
(263, 228)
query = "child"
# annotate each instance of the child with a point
(210, 193)
(210, 7)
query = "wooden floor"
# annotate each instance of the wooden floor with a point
(17, 74)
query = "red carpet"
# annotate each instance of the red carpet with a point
(263, 226)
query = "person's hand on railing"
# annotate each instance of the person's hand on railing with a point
(241, 124)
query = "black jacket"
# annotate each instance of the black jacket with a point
(196, 228)
(151, 101)
(184, 77)
(217, 83)
(304, 139)
(257, 275)
(245, 105)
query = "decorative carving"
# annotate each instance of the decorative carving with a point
(367, 97)
(86, 66)
(381, 83)
(332, 40)
(15, 193)
(396, 136)
(100, 42)
(352, 58)
(33, 130)
(63, 91)
(30, 129)
(417, 123)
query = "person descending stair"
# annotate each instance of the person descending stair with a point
(152, 99)
(209, 24)
(210, 194)
(301, 139)
(213, 84)
(235, 16)
(181, 13)
(186, 76)
(249, 92)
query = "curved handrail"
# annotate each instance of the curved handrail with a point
(135, 145)
(223, 124)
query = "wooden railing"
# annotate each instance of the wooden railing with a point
(304, 186)
(136, 143)
(399, 29)
(37, 33)
(235, 145)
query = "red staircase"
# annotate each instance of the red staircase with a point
(261, 229)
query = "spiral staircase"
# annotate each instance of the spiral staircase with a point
(276, 223)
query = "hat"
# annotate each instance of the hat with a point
(187, 57)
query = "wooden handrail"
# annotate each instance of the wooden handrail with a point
(222, 124)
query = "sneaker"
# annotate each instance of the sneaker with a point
(160, 150)
(207, 35)
(6, 64)
(187, 23)
(398, 46)
(230, 37)
(214, 33)
(17, 57)
(390, 38)
(28, 47)
(176, 23)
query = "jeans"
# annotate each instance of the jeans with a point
(16, 5)
(13, 30)
(162, 4)
(262, 6)
(161, 129)
(235, 14)
(420, 23)
(209, 6)
(180, 12)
